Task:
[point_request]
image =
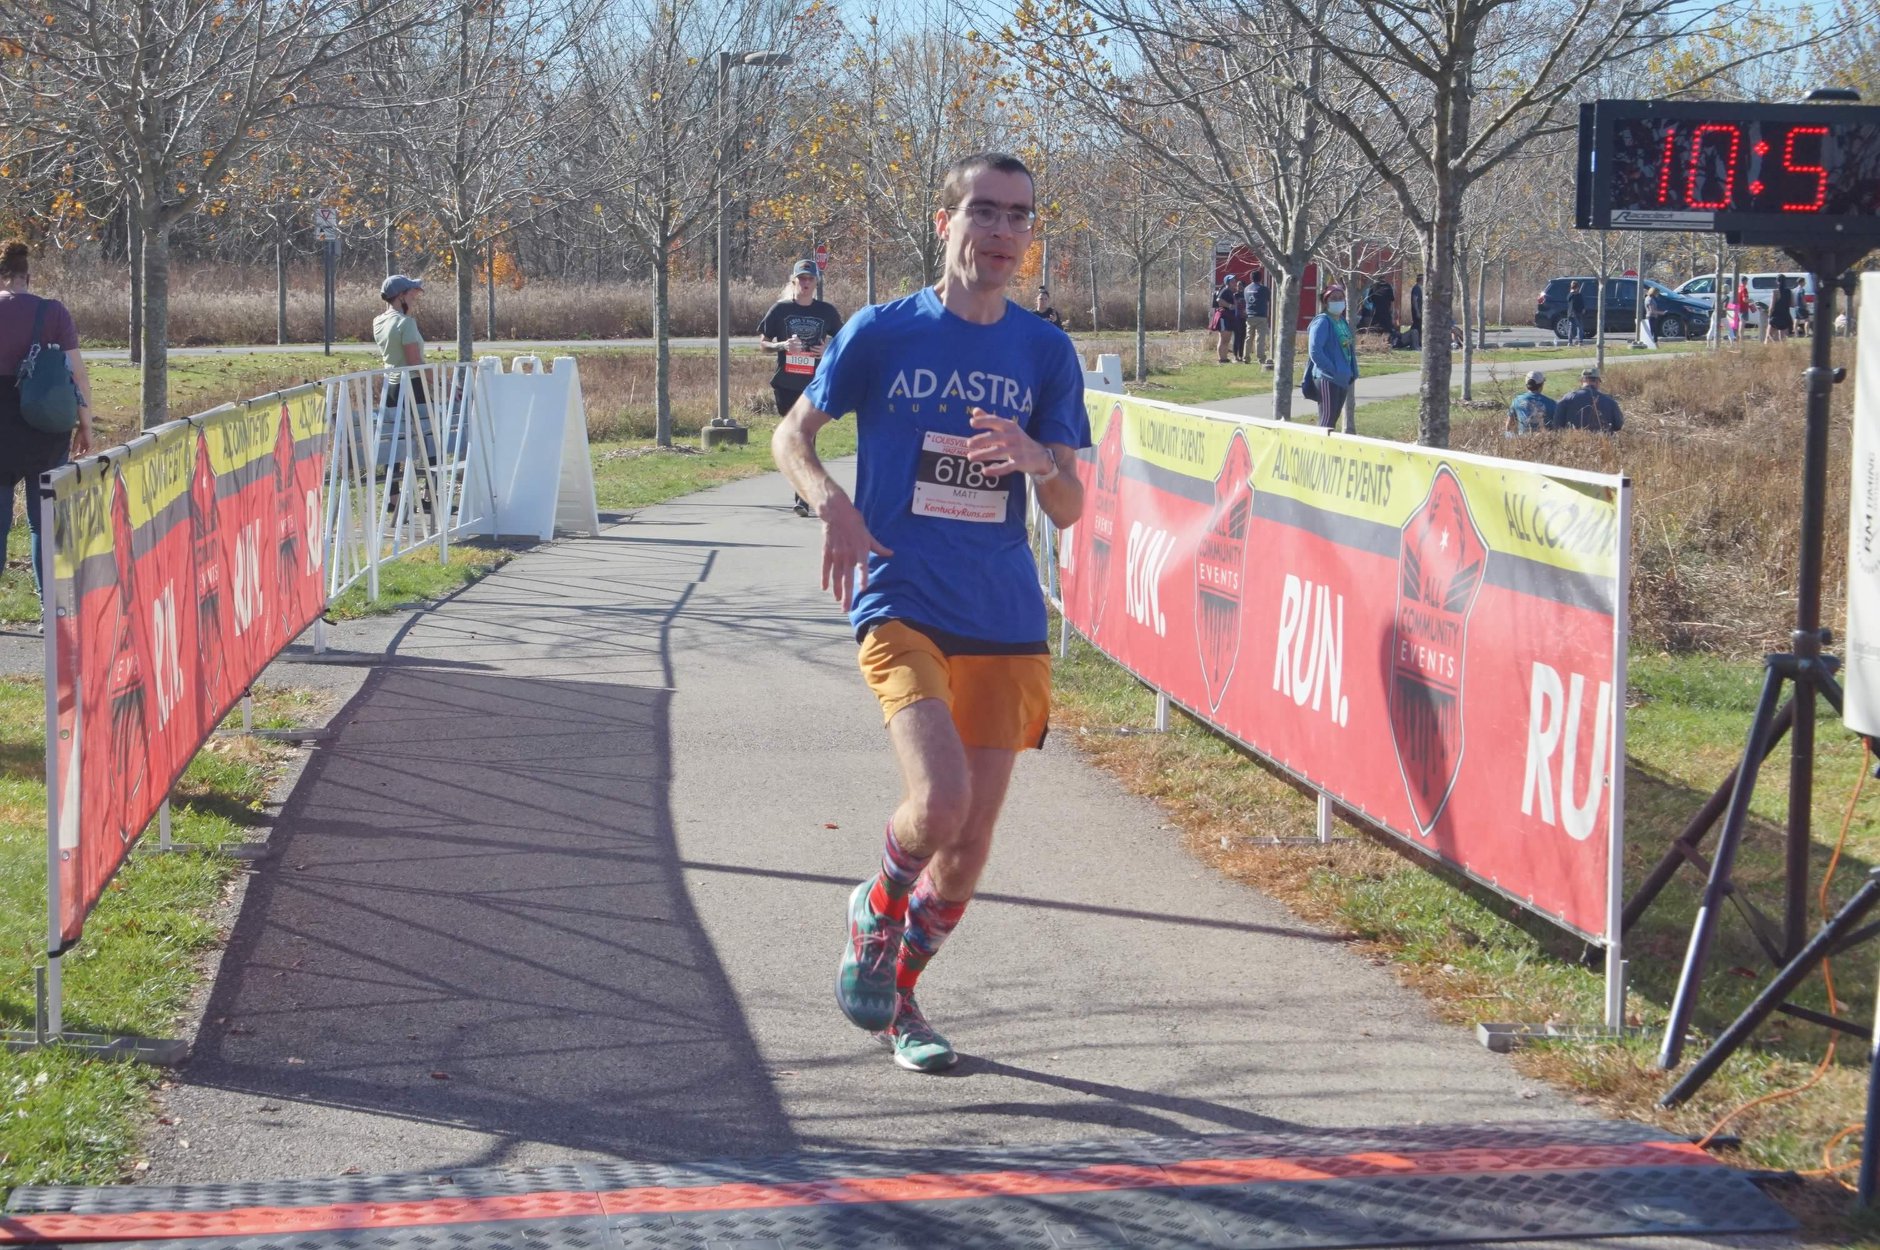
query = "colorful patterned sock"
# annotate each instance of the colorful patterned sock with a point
(899, 871)
(930, 919)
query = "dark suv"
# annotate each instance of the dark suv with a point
(1683, 318)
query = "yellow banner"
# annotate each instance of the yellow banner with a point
(158, 470)
(1555, 517)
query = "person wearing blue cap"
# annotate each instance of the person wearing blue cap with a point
(401, 345)
(396, 329)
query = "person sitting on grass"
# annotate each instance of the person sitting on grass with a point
(1531, 412)
(1588, 408)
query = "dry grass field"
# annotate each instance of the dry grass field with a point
(224, 304)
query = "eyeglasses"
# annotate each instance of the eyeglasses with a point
(986, 216)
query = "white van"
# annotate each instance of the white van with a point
(1762, 289)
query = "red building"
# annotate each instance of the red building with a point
(1370, 261)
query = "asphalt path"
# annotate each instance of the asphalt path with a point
(567, 882)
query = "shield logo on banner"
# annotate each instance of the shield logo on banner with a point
(1220, 570)
(125, 691)
(205, 538)
(1103, 515)
(1440, 566)
(288, 588)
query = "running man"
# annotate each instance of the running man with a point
(959, 395)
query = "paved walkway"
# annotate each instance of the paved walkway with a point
(567, 884)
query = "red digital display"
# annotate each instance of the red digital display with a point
(1731, 167)
(1820, 135)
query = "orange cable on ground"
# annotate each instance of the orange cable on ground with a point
(1827, 975)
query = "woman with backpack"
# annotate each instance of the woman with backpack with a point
(42, 434)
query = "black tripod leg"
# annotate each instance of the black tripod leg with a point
(1792, 975)
(1870, 1138)
(1703, 928)
(1678, 854)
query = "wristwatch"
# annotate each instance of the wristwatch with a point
(1042, 478)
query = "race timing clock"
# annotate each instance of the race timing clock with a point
(1760, 173)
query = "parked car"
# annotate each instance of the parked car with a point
(1684, 317)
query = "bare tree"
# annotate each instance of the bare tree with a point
(1219, 101)
(165, 96)
(475, 114)
(1467, 84)
(668, 139)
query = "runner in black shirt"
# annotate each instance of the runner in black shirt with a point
(797, 327)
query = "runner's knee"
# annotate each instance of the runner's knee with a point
(940, 811)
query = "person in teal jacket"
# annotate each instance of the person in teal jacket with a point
(1333, 355)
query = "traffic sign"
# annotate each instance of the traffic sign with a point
(822, 256)
(326, 223)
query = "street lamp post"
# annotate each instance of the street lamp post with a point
(726, 60)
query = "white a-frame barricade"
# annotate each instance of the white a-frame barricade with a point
(541, 481)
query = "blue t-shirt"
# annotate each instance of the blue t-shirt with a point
(1532, 412)
(909, 370)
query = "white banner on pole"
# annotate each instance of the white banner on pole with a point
(1861, 707)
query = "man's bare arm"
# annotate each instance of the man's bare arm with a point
(846, 540)
(1002, 447)
(1062, 496)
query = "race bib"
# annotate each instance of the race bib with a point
(949, 486)
(799, 362)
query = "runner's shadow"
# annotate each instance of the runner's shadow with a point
(1111, 1106)
(474, 919)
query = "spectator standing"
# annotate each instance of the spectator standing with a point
(1333, 355)
(1576, 312)
(1042, 306)
(1781, 313)
(1588, 408)
(401, 346)
(1531, 412)
(1239, 311)
(1416, 313)
(1221, 320)
(396, 330)
(1384, 309)
(1739, 311)
(1801, 309)
(798, 327)
(25, 451)
(1654, 313)
(1259, 318)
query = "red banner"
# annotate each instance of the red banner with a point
(1435, 640)
(183, 564)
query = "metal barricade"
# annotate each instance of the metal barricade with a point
(404, 469)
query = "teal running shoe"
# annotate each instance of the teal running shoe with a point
(865, 977)
(917, 1047)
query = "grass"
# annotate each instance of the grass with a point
(199, 383)
(63, 1118)
(636, 474)
(420, 577)
(1191, 375)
